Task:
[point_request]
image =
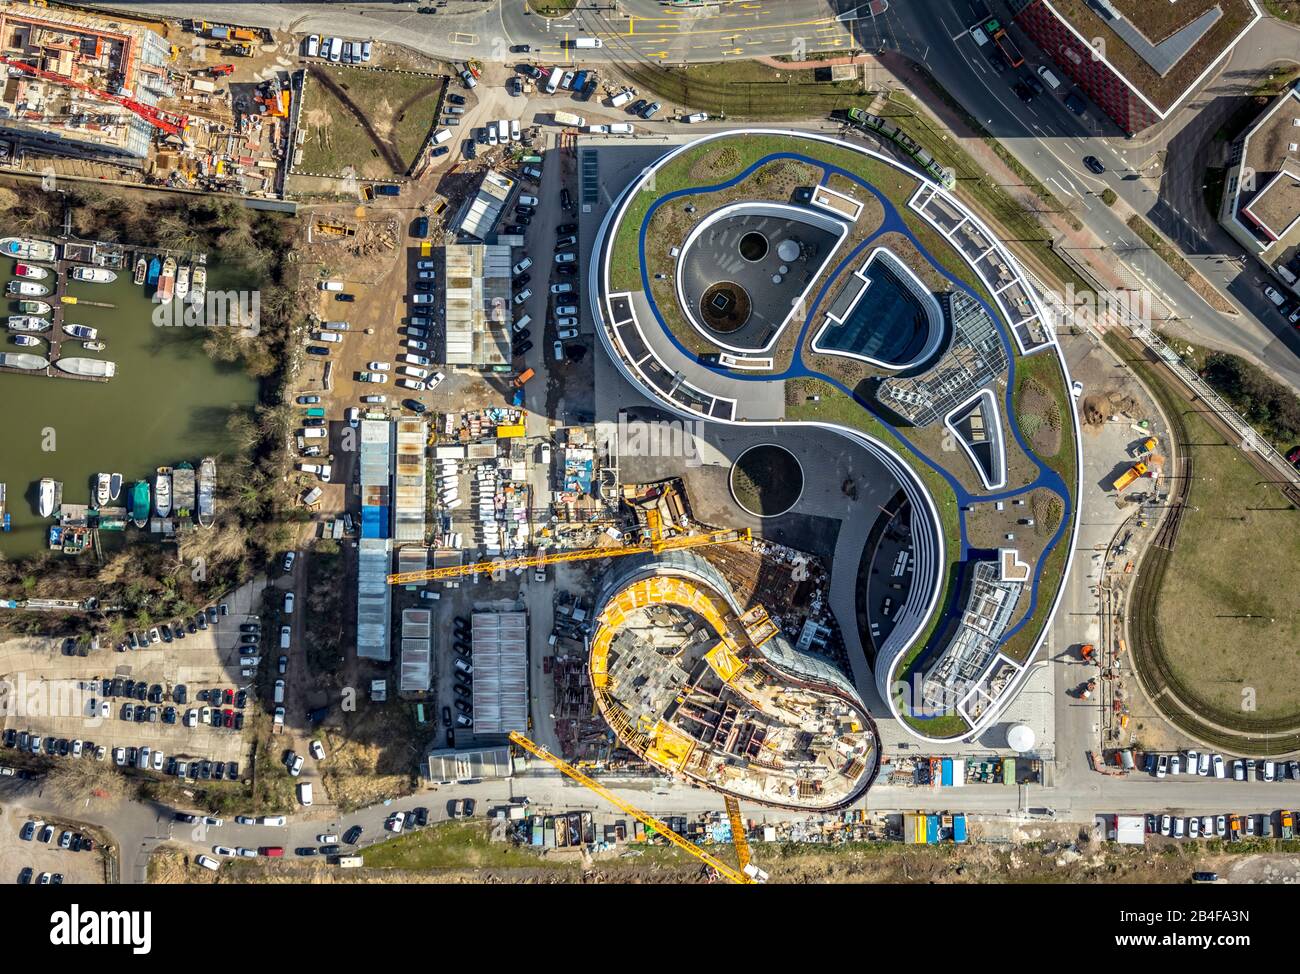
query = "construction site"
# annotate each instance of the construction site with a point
(131, 99)
(708, 691)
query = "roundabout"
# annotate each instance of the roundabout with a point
(901, 323)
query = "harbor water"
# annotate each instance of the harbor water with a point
(169, 402)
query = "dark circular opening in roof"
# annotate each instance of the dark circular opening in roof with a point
(766, 480)
(725, 307)
(753, 246)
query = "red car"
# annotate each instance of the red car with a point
(230, 718)
(274, 851)
(1294, 456)
(228, 698)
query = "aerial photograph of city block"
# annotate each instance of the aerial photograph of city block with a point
(651, 442)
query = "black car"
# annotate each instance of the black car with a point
(1205, 877)
(567, 270)
(463, 707)
(467, 807)
(205, 769)
(11, 737)
(442, 150)
(523, 335)
(462, 691)
(132, 641)
(638, 106)
(446, 715)
(462, 645)
(414, 405)
(345, 297)
(166, 631)
(241, 699)
(306, 850)
(353, 835)
(566, 199)
(232, 770)
(141, 691)
(461, 623)
(1094, 165)
(249, 639)
(218, 770)
(169, 715)
(522, 348)
(521, 280)
(155, 693)
(179, 693)
(170, 767)
(1023, 92)
(421, 816)
(239, 720)
(330, 850)
(456, 99)
(250, 627)
(1033, 84)
(514, 229)
(525, 208)
(202, 620)
(119, 687)
(523, 219)
(179, 630)
(317, 350)
(25, 876)
(520, 49)
(190, 627)
(566, 228)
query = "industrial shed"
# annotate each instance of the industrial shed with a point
(500, 641)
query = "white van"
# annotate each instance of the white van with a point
(491, 134)
(312, 433)
(285, 633)
(327, 336)
(304, 792)
(553, 82)
(330, 285)
(441, 136)
(620, 128)
(587, 42)
(313, 45)
(415, 372)
(336, 48)
(514, 130)
(1049, 79)
(622, 98)
(279, 691)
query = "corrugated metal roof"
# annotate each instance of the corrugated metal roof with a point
(478, 305)
(373, 599)
(469, 765)
(500, 641)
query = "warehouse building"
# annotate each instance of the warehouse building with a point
(409, 480)
(478, 309)
(480, 213)
(447, 765)
(417, 643)
(374, 602)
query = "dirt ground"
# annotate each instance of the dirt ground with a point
(76, 867)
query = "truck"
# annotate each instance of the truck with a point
(1287, 822)
(993, 27)
(1129, 475)
(349, 862)
(569, 119)
(523, 377)
(586, 43)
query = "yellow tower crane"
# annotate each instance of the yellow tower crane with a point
(742, 876)
(655, 547)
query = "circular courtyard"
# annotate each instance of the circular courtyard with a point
(766, 480)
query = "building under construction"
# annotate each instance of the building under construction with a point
(78, 84)
(706, 690)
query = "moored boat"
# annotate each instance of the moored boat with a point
(94, 346)
(34, 307)
(155, 268)
(27, 341)
(28, 323)
(166, 281)
(81, 331)
(207, 491)
(141, 269)
(26, 247)
(45, 497)
(26, 289)
(101, 490)
(95, 275)
(162, 491)
(4, 508)
(31, 272)
(183, 489)
(24, 360)
(93, 368)
(140, 503)
(183, 282)
(114, 486)
(198, 285)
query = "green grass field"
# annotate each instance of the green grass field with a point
(452, 845)
(746, 89)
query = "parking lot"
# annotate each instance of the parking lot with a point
(61, 698)
(17, 854)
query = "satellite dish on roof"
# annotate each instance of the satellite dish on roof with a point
(788, 250)
(1020, 738)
